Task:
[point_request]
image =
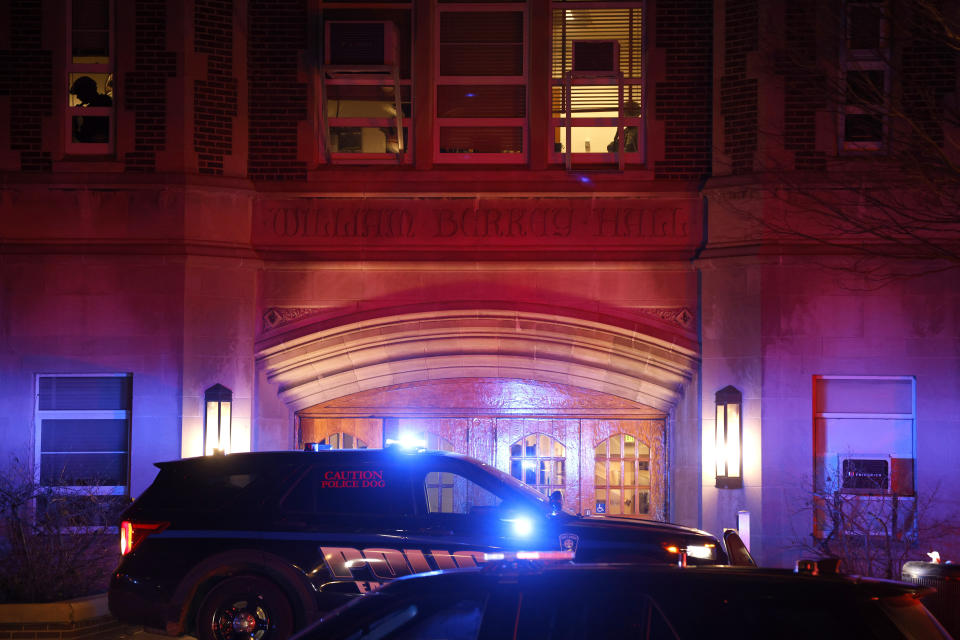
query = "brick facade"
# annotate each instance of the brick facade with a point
(145, 86)
(804, 86)
(738, 91)
(278, 99)
(215, 98)
(684, 99)
(28, 82)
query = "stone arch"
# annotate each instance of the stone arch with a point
(343, 356)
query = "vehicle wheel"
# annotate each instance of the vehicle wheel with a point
(247, 608)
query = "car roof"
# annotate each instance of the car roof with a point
(615, 575)
(338, 455)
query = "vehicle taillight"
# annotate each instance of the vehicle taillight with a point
(133, 533)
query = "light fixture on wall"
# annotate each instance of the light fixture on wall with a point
(729, 438)
(216, 437)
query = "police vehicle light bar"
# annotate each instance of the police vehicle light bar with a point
(408, 441)
(511, 556)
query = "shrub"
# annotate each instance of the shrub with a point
(56, 543)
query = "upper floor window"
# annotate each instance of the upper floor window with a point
(597, 83)
(90, 122)
(481, 83)
(365, 83)
(865, 76)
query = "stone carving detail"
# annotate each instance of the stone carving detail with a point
(276, 316)
(679, 316)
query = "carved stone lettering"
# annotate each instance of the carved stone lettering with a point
(487, 224)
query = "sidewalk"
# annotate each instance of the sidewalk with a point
(144, 634)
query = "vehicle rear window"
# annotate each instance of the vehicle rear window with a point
(351, 489)
(210, 487)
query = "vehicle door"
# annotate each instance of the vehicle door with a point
(464, 512)
(737, 553)
(552, 609)
(344, 524)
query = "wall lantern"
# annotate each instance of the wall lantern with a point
(216, 436)
(729, 438)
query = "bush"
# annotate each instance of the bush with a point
(55, 543)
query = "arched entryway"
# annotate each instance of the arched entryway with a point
(566, 402)
(601, 452)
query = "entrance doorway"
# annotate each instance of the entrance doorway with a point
(605, 454)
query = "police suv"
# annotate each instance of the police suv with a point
(256, 545)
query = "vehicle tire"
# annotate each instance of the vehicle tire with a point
(245, 608)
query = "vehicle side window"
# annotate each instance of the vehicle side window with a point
(554, 614)
(776, 611)
(453, 619)
(449, 492)
(357, 489)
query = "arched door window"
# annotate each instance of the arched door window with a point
(622, 476)
(539, 461)
(439, 484)
(342, 440)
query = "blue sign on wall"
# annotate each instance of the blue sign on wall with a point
(601, 506)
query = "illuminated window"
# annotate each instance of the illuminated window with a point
(865, 76)
(89, 82)
(365, 83)
(83, 434)
(622, 476)
(481, 77)
(597, 81)
(539, 461)
(439, 486)
(449, 492)
(342, 440)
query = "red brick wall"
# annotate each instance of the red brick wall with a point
(145, 86)
(278, 100)
(804, 85)
(929, 74)
(738, 92)
(27, 80)
(215, 98)
(684, 97)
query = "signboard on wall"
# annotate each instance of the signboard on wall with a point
(602, 228)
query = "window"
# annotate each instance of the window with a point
(481, 78)
(344, 441)
(365, 83)
(83, 433)
(550, 613)
(361, 490)
(622, 476)
(450, 616)
(540, 462)
(865, 435)
(866, 76)
(90, 125)
(597, 82)
(449, 492)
